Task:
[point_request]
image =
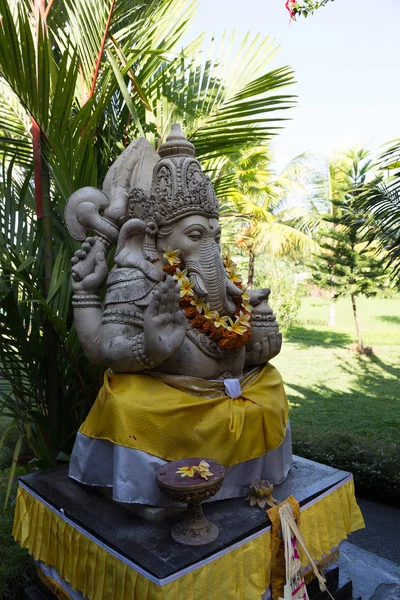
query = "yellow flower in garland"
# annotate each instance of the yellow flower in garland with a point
(186, 287)
(234, 276)
(244, 319)
(231, 269)
(172, 256)
(208, 313)
(236, 326)
(229, 263)
(218, 320)
(245, 296)
(216, 323)
(198, 303)
(247, 307)
(179, 275)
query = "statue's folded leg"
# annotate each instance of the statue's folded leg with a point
(131, 473)
(139, 422)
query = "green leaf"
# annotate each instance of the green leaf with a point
(120, 79)
(7, 433)
(12, 470)
(63, 457)
(25, 263)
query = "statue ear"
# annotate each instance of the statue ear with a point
(130, 249)
(132, 169)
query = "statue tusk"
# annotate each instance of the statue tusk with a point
(199, 286)
(232, 290)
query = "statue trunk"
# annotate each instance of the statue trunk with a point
(213, 277)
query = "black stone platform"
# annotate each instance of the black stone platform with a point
(149, 545)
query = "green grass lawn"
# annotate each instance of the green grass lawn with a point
(341, 401)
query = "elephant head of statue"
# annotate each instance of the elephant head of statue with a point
(179, 214)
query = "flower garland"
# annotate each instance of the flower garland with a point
(228, 333)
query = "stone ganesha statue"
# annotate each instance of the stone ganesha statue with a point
(186, 347)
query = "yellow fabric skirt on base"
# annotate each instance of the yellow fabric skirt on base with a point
(240, 571)
(143, 412)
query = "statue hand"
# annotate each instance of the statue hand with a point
(263, 351)
(164, 323)
(89, 268)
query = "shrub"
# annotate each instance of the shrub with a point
(375, 467)
(280, 276)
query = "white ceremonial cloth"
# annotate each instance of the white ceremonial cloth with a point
(131, 473)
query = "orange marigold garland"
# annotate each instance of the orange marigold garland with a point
(229, 333)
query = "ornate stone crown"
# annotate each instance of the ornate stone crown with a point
(179, 187)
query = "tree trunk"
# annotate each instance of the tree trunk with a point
(332, 310)
(46, 224)
(360, 346)
(252, 259)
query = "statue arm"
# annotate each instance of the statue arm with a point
(122, 349)
(88, 324)
(265, 341)
(118, 345)
(141, 347)
(88, 310)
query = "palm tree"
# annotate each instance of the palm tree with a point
(78, 80)
(264, 222)
(382, 201)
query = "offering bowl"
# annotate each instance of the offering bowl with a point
(191, 481)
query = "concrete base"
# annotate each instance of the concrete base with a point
(387, 591)
(373, 577)
(148, 546)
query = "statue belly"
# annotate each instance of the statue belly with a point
(193, 362)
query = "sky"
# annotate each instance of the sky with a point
(346, 63)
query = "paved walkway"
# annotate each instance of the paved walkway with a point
(371, 557)
(367, 571)
(382, 530)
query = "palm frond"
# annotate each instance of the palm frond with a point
(382, 205)
(280, 239)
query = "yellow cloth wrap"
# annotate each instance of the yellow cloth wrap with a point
(244, 572)
(142, 412)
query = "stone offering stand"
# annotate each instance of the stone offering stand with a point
(195, 529)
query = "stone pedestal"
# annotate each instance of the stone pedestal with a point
(148, 548)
